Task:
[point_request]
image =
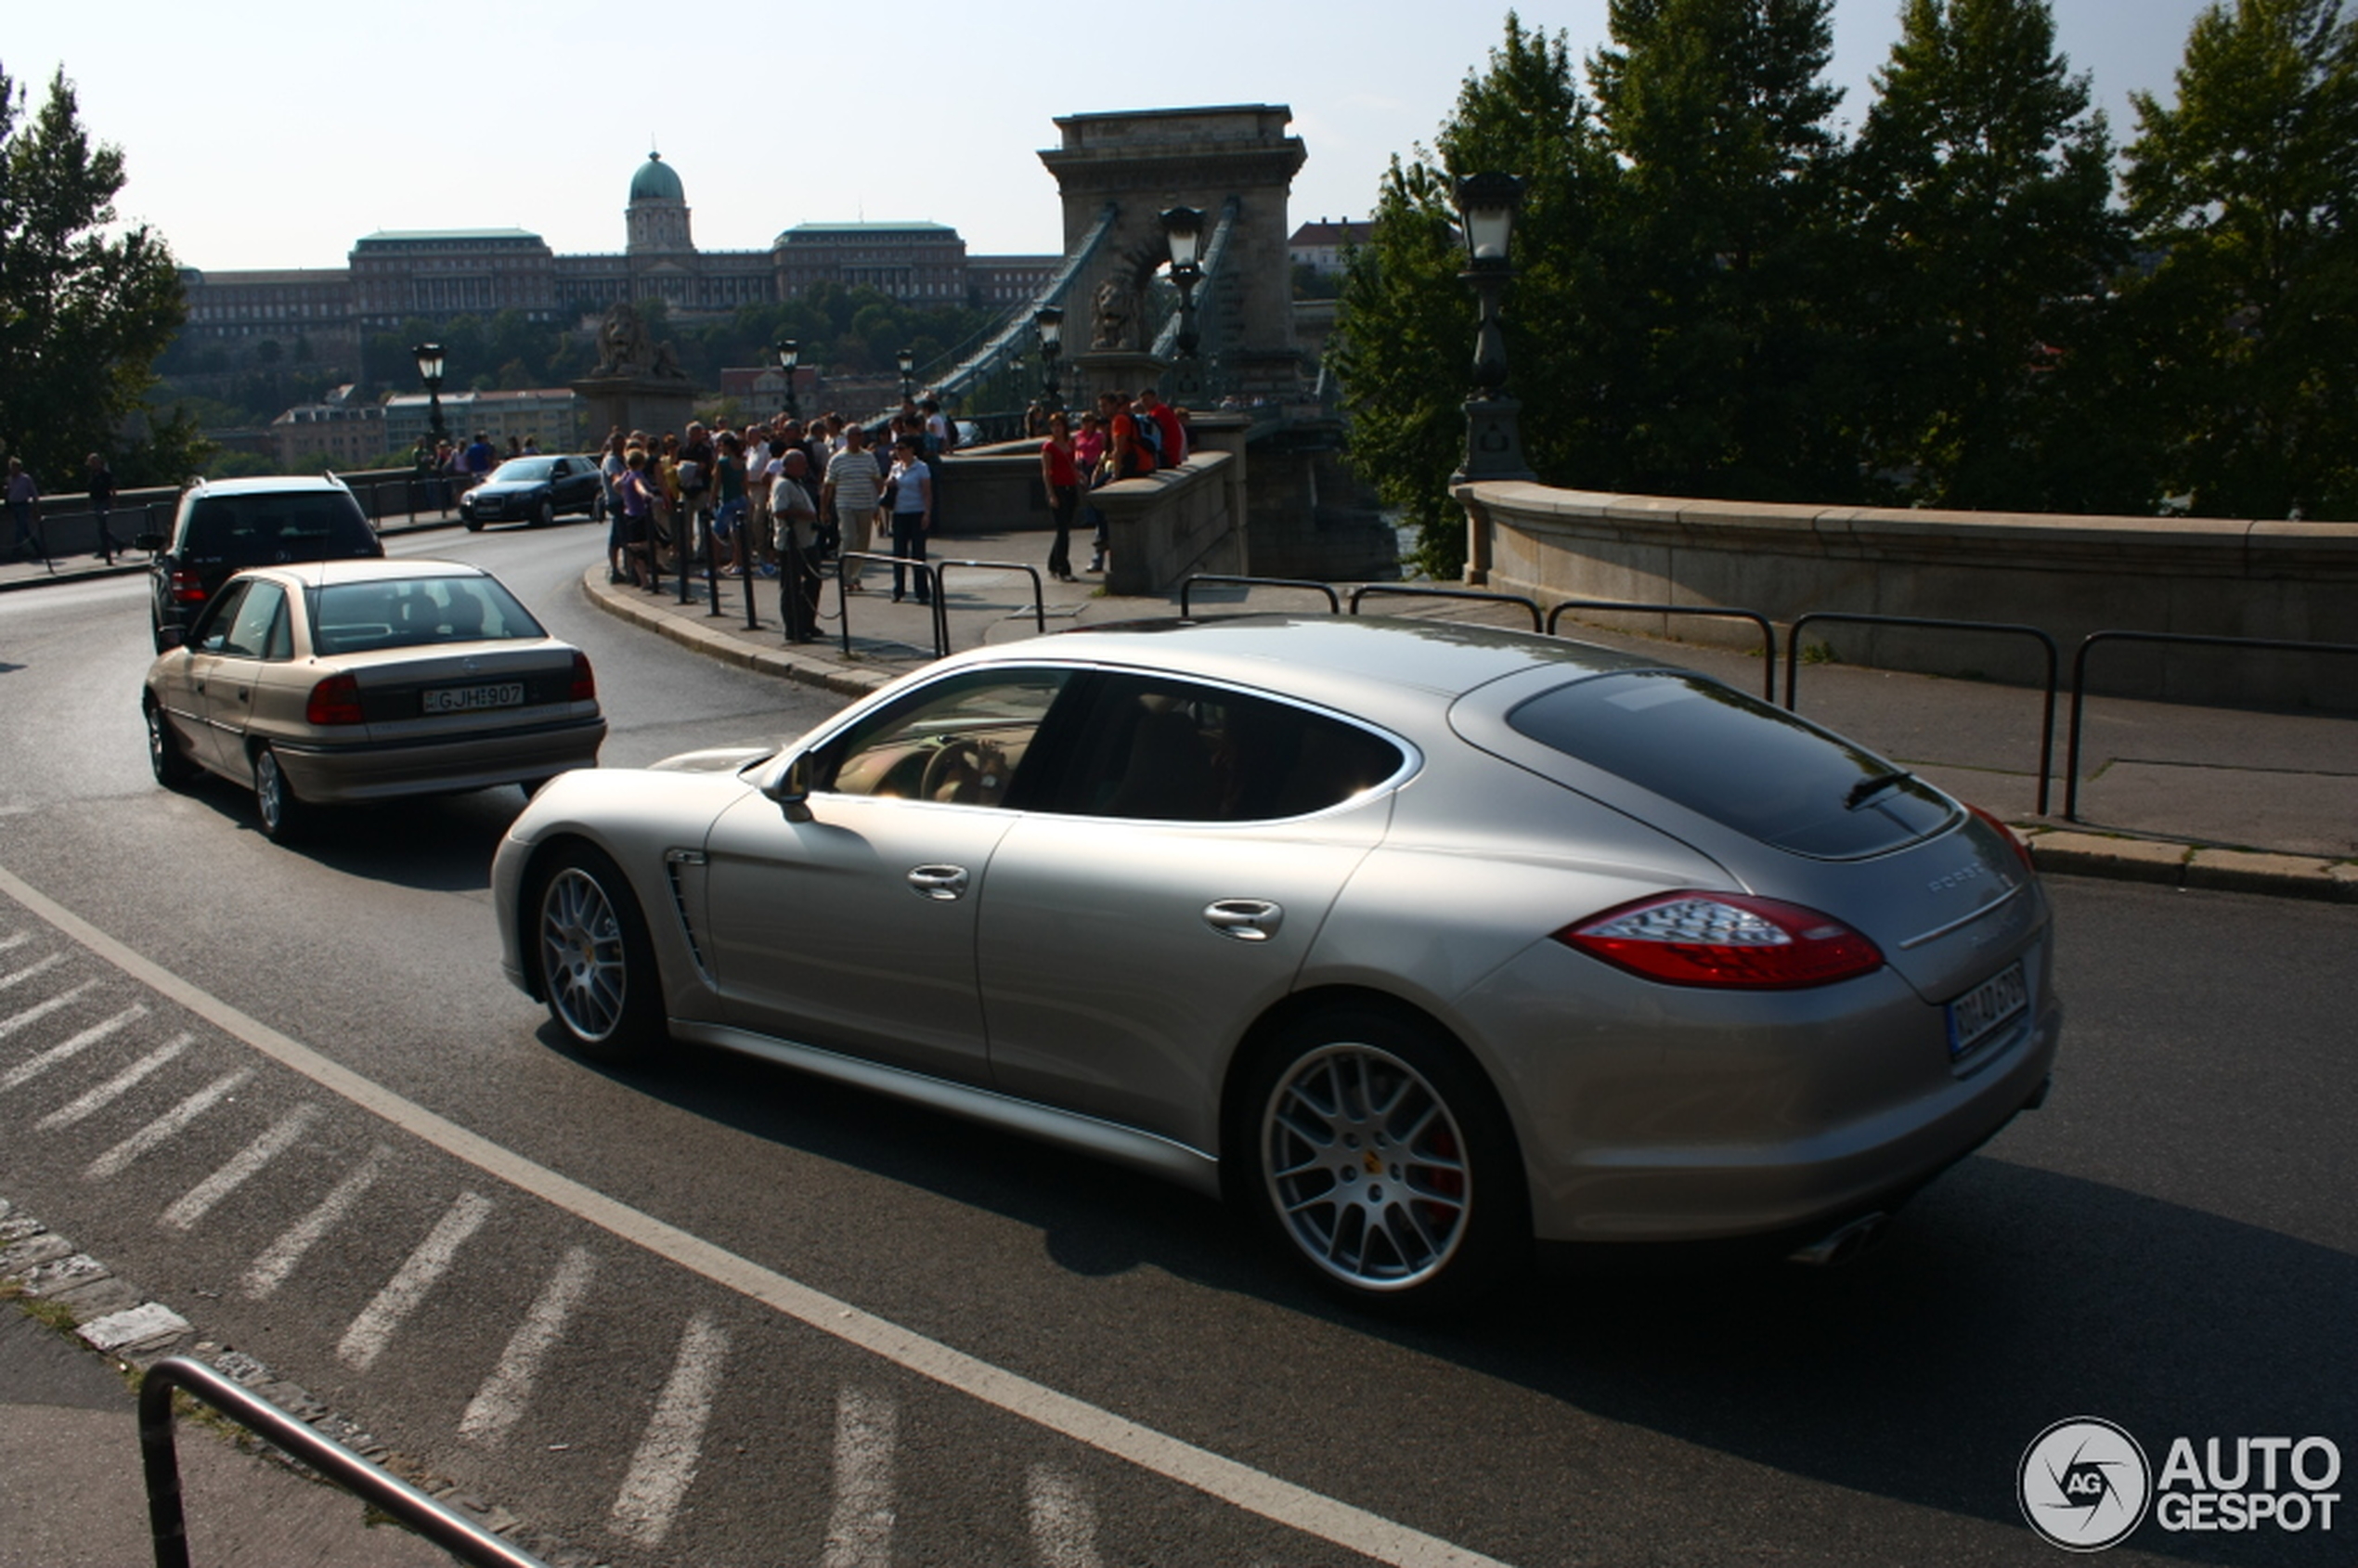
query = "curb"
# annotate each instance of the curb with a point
(2170, 863)
(116, 1318)
(786, 663)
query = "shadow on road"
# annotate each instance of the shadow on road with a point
(2008, 1298)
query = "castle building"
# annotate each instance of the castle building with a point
(395, 276)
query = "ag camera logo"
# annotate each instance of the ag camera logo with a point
(2084, 1485)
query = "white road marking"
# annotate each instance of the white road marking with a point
(165, 1127)
(1063, 1522)
(41, 1010)
(1238, 1485)
(665, 1462)
(116, 1087)
(502, 1399)
(34, 1067)
(198, 1199)
(11, 943)
(270, 1270)
(413, 1282)
(9, 982)
(860, 1527)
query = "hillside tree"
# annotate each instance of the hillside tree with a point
(86, 307)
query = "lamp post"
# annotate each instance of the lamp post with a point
(1183, 231)
(1486, 205)
(790, 356)
(908, 360)
(429, 358)
(1048, 322)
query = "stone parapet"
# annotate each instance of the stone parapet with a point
(2069, 575)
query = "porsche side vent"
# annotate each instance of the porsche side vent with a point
(676, 863)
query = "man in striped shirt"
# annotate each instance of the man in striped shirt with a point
(853, 486)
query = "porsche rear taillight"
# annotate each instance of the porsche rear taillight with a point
(1726, 941)
(2013, 840)
(335, 700)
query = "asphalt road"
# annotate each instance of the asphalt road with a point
(720, 1314)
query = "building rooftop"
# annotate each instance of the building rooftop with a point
(415, 236)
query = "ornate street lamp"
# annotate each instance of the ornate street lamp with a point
(429, 358)
(1183, 231)
(1049, 322)
(790, 356)
(1486, 205)
(907, 359)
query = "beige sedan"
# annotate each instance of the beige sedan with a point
(356, 681)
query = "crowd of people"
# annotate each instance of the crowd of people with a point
(778, 499)
(784, 498)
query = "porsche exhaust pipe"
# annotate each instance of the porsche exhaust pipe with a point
(1846, 1244)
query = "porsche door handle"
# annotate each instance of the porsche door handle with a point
(939, 882)
(1247, 920)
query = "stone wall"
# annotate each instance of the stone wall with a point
(2068, 575)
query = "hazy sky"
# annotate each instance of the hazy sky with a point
(268, 135)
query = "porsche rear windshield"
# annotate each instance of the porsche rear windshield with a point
(1737, 760)
(414, 611)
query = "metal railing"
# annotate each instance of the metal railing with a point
(2181, 639)
(159, 1457)
(2047, 717)
(1627, 606)
(1186, 588)
(1038, 597)
(1408, 590)
(928, 579)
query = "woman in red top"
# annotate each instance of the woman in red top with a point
(1060, 472)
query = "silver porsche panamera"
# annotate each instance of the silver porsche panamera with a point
(1423, 942)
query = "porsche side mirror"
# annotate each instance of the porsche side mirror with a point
(791, 788)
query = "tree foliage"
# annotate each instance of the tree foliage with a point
(1982, 183)
(85, 308)
(2243, 191)
(1716, 294)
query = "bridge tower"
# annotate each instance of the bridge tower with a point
(1141, 161)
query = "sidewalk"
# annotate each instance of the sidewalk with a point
(2189, 797)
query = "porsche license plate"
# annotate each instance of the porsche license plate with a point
(1986, 1008)
(468, 699)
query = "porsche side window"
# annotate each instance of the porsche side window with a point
(960, 741)
(1155, 748)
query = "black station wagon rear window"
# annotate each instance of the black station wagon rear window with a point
(1737, 760)
(254, 530)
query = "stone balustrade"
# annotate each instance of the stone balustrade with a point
(2069, 575)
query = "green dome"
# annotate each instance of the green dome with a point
(655, 182)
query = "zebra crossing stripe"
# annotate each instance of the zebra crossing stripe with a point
(164, 1128)
(1063, 1522)
(860, 1526)
(198, 1200)
(41, 1010)
(65, 1050)
(500, 1401)
(1230, 1481)
(369, 1334)
(666, 1461)
(278, 1260)
(116, 1087)
(9, 982)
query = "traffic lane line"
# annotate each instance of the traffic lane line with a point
(1214, 1475)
